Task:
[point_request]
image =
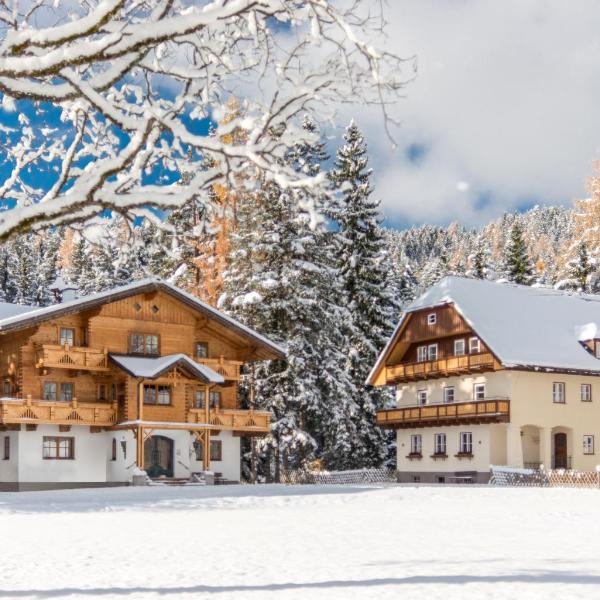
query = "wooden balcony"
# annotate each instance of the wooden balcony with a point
(488, 410)
(230, 369)
(19, 410)
(247, 422)
(453, 365)
(54, 356)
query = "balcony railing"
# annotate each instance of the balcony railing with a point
(71, 357)
(230, 369)
(487, 410)
(247, 421)
(440, 368)
(26, 410)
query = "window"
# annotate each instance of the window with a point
(155, 308)
(202, 349)
(102, 392)
(66, 392)
(416, 479)
(586, 392)
(422, 397)
(421, 353)
(466, 442)
(597, 348)
(439, 444)
(6, 447)
(137, 306)
(433, 351)
(448, 395)
(479, 391)
(216, 450)
(157, 394)
(431, 319)
(214, 399)
(558, 392)
(415, 443)
(459, 347)
(7, 388)
(59, 448)
(588, 444)
(67, 336)
(50, 391)
(474, 345)
(113, 450)
(140, 343)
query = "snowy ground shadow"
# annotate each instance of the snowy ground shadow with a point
(158, 498)
(533, 577)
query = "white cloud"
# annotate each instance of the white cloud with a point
(507, 98)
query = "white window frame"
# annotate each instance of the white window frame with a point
(588, 444)
(558, 392)
(432, 355)
(465, 442)
(421, 353)
(416, 443)
(474, 345)
(449, 391)
(460, 343)
(476, 391)
(422, 397)
(439, 444)
(597, 348)
(586, 392)
(431, 319)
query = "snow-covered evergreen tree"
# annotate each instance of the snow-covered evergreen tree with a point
(578, 271)
(364, 271)
(517, 264)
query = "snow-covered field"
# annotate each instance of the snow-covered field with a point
(263, 542)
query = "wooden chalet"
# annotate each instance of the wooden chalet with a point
(143, 376)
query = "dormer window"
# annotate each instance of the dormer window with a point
(474, 345)
(431, 319)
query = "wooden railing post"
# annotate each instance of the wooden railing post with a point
(28, 400)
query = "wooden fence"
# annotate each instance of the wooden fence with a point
(505, 476)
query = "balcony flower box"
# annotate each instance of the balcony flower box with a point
(461, 455)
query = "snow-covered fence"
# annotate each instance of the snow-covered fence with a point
(506, 476)
(354, 477)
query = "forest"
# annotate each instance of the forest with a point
(330, 289)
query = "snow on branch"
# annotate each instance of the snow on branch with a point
(107, 105)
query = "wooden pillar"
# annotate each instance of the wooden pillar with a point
(207, 450)
(206, 400)
(139, 459)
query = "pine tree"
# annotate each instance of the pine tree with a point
(365, 270)
(579, 271)
(517, 264)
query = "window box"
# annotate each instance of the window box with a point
(439, 456)
(460, 455)
(414, 456)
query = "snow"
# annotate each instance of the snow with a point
(150, 368)
(302, 542)
(522, 326)
(8, 310)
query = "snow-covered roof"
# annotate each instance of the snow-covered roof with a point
(24, 316)
(151, 368)
(522, 326)
(8, 310)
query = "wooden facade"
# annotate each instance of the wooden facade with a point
(57, 368)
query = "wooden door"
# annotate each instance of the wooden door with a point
(158, 456)
(560, 451)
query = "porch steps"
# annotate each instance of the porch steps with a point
(175, 481)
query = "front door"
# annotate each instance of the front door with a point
(158, 456)
(560, 451)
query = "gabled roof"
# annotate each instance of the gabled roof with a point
(524, 327)
(8, 310)
(151, 368)
(28, 316)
